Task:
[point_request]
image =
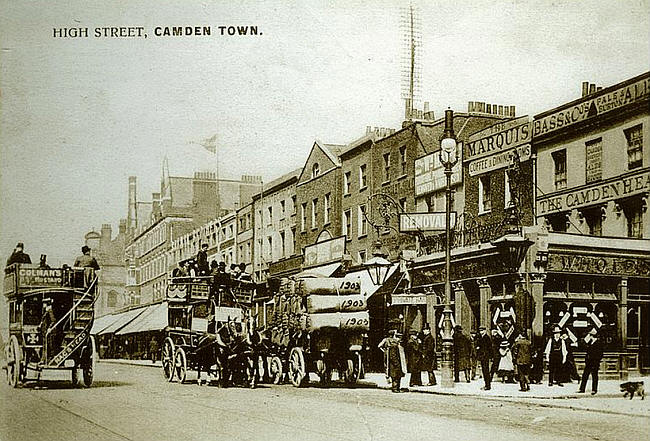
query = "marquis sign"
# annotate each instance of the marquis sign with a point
(499, 160)
(499, 138)
(425, 221)
(612, 98)
(595, 194)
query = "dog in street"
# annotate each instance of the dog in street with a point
(632, 387)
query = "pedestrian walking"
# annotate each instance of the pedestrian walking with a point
(414, 358)
(472, 357)
(522, 350)
(555, 354)
(592, 361)
(394, 358)
(497, 338)
(569, 370)
(506, 368)
(153, 349)
(429, 354)
(537, 365)
(484, 355)
(462, 354)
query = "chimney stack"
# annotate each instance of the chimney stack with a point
(122, 227)
(131, 217)
(105, 236)
(585, 88)
(592, 89)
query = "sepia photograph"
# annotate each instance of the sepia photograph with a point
(324, 220)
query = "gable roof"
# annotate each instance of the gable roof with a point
(331, 152)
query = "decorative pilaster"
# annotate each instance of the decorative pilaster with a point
(485, 292)
(463, 312)
(537, 291)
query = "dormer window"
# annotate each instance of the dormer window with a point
(315, 170)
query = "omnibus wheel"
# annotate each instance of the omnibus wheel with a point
(167, 359)
(14, 362)
(180, 365)
(275, 369)
(88, 366)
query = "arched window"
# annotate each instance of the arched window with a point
(315, 170)
(111, 300)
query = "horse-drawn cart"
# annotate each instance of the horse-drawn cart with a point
(51, 312)
(318, 325)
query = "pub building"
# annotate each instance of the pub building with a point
(555, 229)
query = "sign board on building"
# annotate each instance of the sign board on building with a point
(40, 277)
(430, 173)
(498, 160)
(578, 263)
(327, 251)
(609, 99)
(408, 299)
(594, 153)
(425, 221)
(595, 194)
(498, 138)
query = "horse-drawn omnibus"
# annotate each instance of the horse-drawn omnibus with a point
(208, 332)
(51, 312)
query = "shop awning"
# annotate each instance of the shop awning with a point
(102, 323)
(320, 271)
(123, 319)
(367, 287)
(154, 318)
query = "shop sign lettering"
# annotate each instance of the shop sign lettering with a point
(592, 107)
(40, 277)
(595, 194)
(500, 137)
(497, 161)
(430, 173)
(599, 265)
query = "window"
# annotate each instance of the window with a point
(402, 205)
(303, 217)
(633, 210)
(328, 209)
(559, 222)
(292, 246)
(293, 205)
(362, 222)
(634, 137)
(270, 215)
(314, 212)
(346, 183)
(362, 177)
(507, 192)
(594, 154)
(594, 219)
(402, 158)
(484, 196)
(362, 256)
(270, 243)
(282, 243)
(347, 226)
(283, 209)
(231, 231)
(559, 158)
(315, 170)
(386, 167)
(111, 301)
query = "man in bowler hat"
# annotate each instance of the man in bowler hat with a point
(484, 355)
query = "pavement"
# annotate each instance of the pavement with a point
(608, 400)
(132, 401)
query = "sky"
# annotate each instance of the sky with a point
(80, 115)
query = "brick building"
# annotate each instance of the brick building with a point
(245, 240)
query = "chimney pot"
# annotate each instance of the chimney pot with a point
(592, 89)
(426, 107)
(512, 111)
(599, 88)
(585, 88)
(501, 110)
(488, 108)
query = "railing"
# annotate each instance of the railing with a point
(463, 237)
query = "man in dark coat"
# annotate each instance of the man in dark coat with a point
(429, 354)
(86, 260)
(414, 358)
(592, 361)
(462, 354)
(18, 256)
(522, 351)
(484, 352)
(394, 359)
(203, 267)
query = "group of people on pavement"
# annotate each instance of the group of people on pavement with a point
(496, 355)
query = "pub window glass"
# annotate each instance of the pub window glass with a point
(633, 326)
(634, 136)
(559, 160)
(633, 209)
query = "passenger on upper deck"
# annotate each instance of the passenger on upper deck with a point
(18, 256)
(86, 260)
(43, 263)
(202, 261)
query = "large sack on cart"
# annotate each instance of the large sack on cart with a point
(336, 303)
(344, 320)
(328, 286)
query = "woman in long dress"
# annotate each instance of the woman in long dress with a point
(506, 369)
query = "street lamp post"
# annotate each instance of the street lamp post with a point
(448, 159)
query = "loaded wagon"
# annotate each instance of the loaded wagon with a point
(51, 312)
(318, 325)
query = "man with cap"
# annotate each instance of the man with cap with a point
(522, 350)
(555, 354)
(429, 354)
(395, 363)
(592, 361)
(414, 358)
(484, 355)
(203, 267)
(18, 256)
(86, 260)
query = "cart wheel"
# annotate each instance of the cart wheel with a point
(168, 359)
(275, 369)
(14, 362)
(297, 368)
(180, 365)
(354, 367)
(88, 367)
